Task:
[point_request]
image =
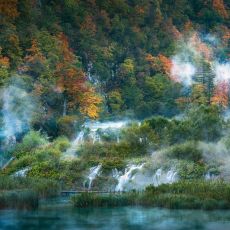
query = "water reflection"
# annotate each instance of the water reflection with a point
(67, 218)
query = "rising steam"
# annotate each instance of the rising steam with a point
(17, 110)
(192, 51)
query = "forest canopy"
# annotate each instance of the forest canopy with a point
(124, 57)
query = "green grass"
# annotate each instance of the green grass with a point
(43, 187)
(26, 199)
(180, 195)
(96, 200)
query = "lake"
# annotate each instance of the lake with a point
(62, 216)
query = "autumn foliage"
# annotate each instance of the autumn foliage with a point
(218, 5)
(200, 46)
(4, 61)
(166, 63)
(9, 8)
(220, 96)
(71, 81)
(34, 53)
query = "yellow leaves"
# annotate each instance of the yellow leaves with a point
(71, 81)
(89, 105)
(127, 67)
(198, 94)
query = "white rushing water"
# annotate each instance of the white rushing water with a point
(136, 177)
(93, 131)
(124, 179)
(22, 172)
(93, 173)
(71, 151)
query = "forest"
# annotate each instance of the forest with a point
(124, 96)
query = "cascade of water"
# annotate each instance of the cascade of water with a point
(71, 151)
(127, 176)
(94, 135)
(210, 176)
(115, 173)
(137, 178)
(161, 177)
(93, 173)
(157, 176)
(22, 172)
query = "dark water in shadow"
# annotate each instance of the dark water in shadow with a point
(61, 216)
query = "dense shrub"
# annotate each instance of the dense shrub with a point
(30, 141)
(185, 151)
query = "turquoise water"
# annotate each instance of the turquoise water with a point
(64, 217)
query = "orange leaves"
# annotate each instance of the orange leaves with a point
(89, 105)
(218, 5)
(140, 10)
(160, 63)
(9, 8)
(220, 96)
(149, 58)
(66, 52)
(166, 62)
(4, 61)
(35, 54)
(71, 81)
(201, 47)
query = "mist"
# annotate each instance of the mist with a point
(191, 52)
(18, 107)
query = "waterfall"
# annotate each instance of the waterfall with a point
(93, 173)
(71, 151)
(136, 177)
(22, 172)
(94, 131)
(127, 176)
(161, 177)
